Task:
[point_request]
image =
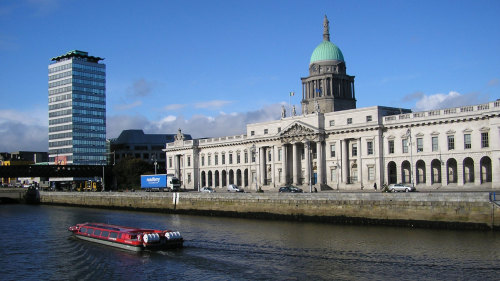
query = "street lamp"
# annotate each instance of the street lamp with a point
(155, 163)
(408, 133)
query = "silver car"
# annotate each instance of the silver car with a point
(396, 187)
(207, 189)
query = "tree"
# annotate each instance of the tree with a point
(128, 172)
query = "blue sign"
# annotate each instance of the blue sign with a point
(154, 181)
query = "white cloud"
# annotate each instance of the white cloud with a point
(141, 88)
(20, 130)
(128, 106)
(197, 126)
(450, 100)
(212, 104)
(174, 106)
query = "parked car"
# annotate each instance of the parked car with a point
(396, 187)
(207, 189)
(290, 188)
(234, 188)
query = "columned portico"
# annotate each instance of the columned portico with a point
(307, 147)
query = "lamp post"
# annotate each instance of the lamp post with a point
(408, 133)
(155, 163)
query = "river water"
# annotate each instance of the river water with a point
(37, 246)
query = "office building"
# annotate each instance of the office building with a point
(77, 109)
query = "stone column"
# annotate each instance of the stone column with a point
(444, 174)
(262, 163)
(220, 179)
(307, 153)
(285, 163)
(428, 174)
(460, 172)
(176, 166)
(477, 172)
(319, 151)
(345, 160)
(295, 164)
(360, 164)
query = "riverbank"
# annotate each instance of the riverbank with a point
(455, 210)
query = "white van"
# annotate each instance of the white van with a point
(233, 188)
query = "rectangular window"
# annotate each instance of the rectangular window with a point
(405, 145)
(105, 234)
(209, 160)
(369, 147)
(266, 131)
(203, 160)
(451, 142)
(253, 156)
(332, 150)
(238, 158)
(391, 146)
(246, 157)
(230, 158)
(333, 175)
(170, 162)
(354, 149)
(223, 157)
(485, 140)
(420, 144)
(113, 235)
(369, 118)
(371, 173)
(269, 154)
(332, 123)
(435, 146)
(280, 151)
(252, 133)
(189, 177)
(349, 121)
(216, 159)
(467, 141)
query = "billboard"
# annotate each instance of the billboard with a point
(153, 181)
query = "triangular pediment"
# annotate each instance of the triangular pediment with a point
(298, 129)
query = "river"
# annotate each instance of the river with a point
(39, 247)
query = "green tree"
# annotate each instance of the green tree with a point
(129, 170)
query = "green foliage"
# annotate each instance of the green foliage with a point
(129, 170)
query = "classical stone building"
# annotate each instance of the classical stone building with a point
(334, 145)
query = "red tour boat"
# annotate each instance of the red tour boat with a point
(129, 238)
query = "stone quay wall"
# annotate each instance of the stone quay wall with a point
(457, 210)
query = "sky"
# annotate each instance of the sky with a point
(211, 67)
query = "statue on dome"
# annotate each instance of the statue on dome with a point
(283, 111)
(294, 112)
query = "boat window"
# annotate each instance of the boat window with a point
(113, 235)
(133, 237)
(97, 232)
(90, 231)
(83, 229)
(105, 234)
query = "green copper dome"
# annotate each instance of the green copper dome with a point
(326, 51)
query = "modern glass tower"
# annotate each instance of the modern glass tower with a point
(77, 109)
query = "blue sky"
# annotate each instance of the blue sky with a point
(210, 67)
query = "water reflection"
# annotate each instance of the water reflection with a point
(239, 249)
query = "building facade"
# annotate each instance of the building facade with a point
(77, 109)
(333, 145)
(137, 144)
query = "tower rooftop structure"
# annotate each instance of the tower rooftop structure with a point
(77, 54)
(328, 87)
(326, 50)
